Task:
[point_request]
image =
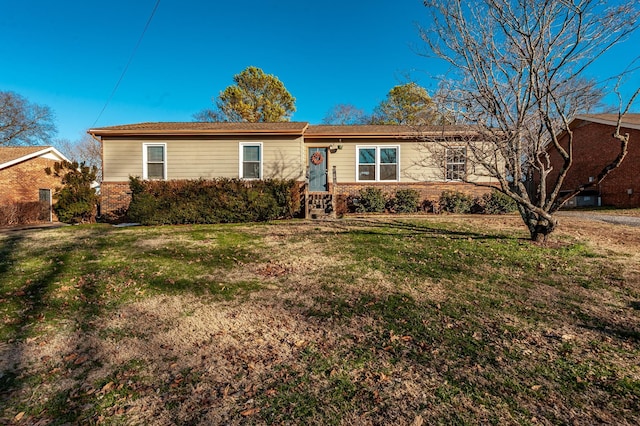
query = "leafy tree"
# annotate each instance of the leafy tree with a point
(22, 122)
(346, 114)
(255, 97)
(519, 78)
(76, 199)
(406, 104)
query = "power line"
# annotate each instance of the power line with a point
(124, 71)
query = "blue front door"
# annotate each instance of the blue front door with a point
(318, 181)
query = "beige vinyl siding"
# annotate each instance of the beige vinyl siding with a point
(417, 160)
(121, 159)
(203, 158)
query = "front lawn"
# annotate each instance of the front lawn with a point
(436, 320)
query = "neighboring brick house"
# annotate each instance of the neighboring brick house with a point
(593, 148)
(23, 182)
(330, 160)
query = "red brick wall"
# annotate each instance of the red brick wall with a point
(593, 149)
(20, 183)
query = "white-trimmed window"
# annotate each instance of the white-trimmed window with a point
(250, 160)
(377, 163)
(456, 163)
(154, 161)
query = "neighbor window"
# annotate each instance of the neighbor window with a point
(250, 160)
(456, 163)
(377, 163)
(44, 195)
(154, 161)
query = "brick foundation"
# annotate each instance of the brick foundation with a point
(430, 191)
(115, 199)
(116, 196)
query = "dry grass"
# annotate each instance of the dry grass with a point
(312, 323)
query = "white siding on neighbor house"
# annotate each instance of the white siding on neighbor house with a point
(192, 158)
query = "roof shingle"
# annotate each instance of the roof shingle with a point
(629, 119)
(10, 153)
(201, 128)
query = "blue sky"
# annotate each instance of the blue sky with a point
(69, 54)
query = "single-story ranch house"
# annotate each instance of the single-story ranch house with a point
(24, 185)
(593, 148)
(331, 160)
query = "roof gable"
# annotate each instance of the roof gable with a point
(10, 155)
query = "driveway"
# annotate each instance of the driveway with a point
(48, 225)
(602, 217)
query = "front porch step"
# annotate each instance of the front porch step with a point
(320, 206)
(319, 214)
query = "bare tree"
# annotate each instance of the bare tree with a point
(24, 123)
(86, 150)
(346, 114)
(520, 77)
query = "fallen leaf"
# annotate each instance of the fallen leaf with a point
(108, 387)
(418, 421)
(70, 357)
(250, 412)
(81, 360)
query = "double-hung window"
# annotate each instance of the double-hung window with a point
(250, 160)
(377, 163)
(456, 163)
(154, 161)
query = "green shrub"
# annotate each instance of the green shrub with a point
(212, 201)
(369, 200)
(497, 202)
(455, 202)
(76, 200)
(405, 201)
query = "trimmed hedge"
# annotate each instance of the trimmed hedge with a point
(494, 202)
(456, 202)
(212, 201)
(498, 203)
(369, 200)
(405, 201)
